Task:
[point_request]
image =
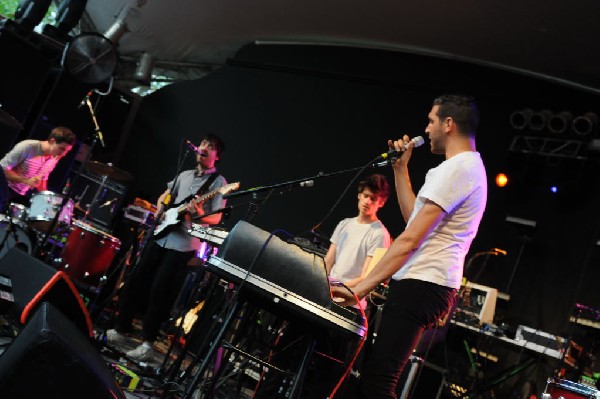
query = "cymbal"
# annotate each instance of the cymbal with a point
(8, 120)
(108, 170)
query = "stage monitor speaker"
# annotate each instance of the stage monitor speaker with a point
(50, 358)
(34, 282)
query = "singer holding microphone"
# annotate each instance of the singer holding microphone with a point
(159, 276)
(30, 162)
(425, 262)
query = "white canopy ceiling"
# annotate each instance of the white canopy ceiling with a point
(554, 39)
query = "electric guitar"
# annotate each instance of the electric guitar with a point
(172, 217)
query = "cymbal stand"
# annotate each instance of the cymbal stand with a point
(94, 200)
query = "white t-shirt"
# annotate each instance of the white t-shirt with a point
(354, 242)
(459, 186)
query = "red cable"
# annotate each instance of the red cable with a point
(358, 348)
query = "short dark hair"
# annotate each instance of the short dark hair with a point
(62, 134)
(216, 141)
(378, 184)
(462, 109)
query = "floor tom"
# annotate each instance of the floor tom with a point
(88, 253)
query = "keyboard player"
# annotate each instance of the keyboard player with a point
(355, 239)
(353, 244)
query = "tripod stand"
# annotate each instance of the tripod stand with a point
(11, 232)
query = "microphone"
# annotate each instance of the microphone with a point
(500, 251)
(191, 146)
(194, 148)
(418, 141)
(87, 96)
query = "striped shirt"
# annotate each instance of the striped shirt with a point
(28, 160)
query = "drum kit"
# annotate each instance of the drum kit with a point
(557, 388)
(81, 250)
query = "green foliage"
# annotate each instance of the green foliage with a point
(8, 8)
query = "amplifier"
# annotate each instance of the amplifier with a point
(139, 215)
(541, 341)
(477, 303)
(107, 193)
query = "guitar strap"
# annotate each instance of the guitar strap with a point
(204, 188)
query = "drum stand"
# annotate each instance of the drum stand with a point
(121, 274)
(10, 230)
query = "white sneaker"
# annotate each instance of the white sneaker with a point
(114, 337)
(142, 353)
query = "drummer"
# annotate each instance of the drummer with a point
(29, 163)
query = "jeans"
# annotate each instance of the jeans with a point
(411, 306)
(156, 281)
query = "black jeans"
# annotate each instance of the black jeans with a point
(410, 307)
(156, 281)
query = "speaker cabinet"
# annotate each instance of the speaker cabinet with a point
(34, 282)
(50, 358)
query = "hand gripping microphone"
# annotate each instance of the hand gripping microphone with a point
(418, 141)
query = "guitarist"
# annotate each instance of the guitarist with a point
(159, 276)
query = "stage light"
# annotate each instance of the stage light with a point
(501, 180)
(143, 71)
(554, 189)
(586, 124)
(538, 121)
(520, 118)
(560, 123)
(30, 13)
(118, 27)
(69, 13)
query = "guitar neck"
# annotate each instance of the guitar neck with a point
(183, 207)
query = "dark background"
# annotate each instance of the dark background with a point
(293, 112)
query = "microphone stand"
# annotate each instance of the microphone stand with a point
(302, 182)
(168, 371)
(485, 261)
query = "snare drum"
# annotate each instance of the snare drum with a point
(43, 208)
(88, 253)
(564, 389)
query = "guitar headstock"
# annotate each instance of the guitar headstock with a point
(229, 188)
